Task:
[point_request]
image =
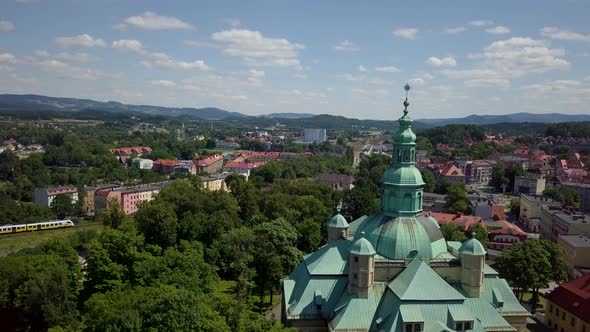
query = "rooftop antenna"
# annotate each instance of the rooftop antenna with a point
(407, 87)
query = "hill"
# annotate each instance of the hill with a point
(509, 118)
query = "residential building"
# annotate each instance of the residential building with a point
(515, 160)
(557, 221)
(337, 181)
(584, 192)
(165, 165)
(503, 234)
(141, 163)
(186, 167)
(137, 151)
(479, 171)
(530, 210)
(533, 184)
(450, 172)
(210, 165)
(45, 196)
(487, 208)
(434, 202)
(89, 195)
(394, 271)
(128, 198)
(215, 182)
(567, 307)
(314, 135)
(577, 253)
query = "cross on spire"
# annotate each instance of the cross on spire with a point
(407, 87)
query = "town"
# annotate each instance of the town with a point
(294, 166)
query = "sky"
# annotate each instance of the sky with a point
(349, 58)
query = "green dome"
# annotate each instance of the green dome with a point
(362, 247)
(338, 221)
(396, 238)
(473, 247)
(405, 136)
(404, 176)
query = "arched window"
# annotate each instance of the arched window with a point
(408, 204)
(412, 155)
(419, 201)
(399, 155)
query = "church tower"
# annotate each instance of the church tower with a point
(402, 183)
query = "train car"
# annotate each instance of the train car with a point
(39, 226)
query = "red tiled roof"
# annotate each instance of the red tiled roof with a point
(209, 160)
(466, 222)
(450, 169)
(574, 296)
(165, 162)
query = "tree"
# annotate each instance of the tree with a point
(566, 196)
(457, 199)
(452, 232)
(157, 221)
(499, 179)
(429, 180)
(532, 264)
(358, 202)
(62, 206)
(114, 216)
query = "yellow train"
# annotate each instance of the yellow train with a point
(39, 226)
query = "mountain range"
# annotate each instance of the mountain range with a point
(24, 103)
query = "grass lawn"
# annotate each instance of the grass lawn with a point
(13, 243)
(226, 288)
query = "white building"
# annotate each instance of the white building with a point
(141, 163)
(45, 196)
(314, 135)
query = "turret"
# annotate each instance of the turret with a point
(361, 268)
(472, 254)
(337, 228)
(402, 183)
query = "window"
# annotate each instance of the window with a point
(573, 322)
(550, 308)
(412, 327)
(355, 276)
(356, 259)
(563, 315)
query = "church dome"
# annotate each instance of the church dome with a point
(473, 247)
(362, 247)
(405, 136)
(338, 221)
(403, 175)
(397, 238)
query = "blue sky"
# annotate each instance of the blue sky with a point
(337, 57)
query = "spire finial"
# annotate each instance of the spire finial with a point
(407, 87)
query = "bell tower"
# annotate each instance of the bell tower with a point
(402, 182)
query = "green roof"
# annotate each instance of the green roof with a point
(418, 282)
(488, 272)
(473, 247)
(331, 259)
(411, 314)
(460, 313)
(362, 247)
(338, 221)
(407, 175)
(302, 290)
(353, 313)
(396, 238)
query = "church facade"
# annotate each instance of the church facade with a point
(394, 271)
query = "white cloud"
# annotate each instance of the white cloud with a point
(257, 50)
(553, 86)
(163, 83)
(26, 1)
(499, 30)
(481, 23)
(153, 21)
(256, 73)
(129, 45)
(442, 62)
(7, 57)
(6, 26)
(508, 59)
(487, 83)
(63, 70)
(346, 46)
(388, 69)
(407, 33)
(203, 44)
(84, 40)
(76, 57)
(158, 59)
(455, 30)
(560, 34)
(362, 68)
(421, 79)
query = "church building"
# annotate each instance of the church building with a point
(394, 271)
